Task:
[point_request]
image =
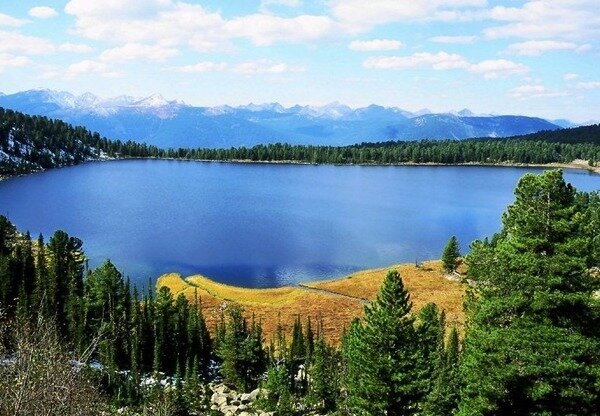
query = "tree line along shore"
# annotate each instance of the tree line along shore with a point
(33, 143)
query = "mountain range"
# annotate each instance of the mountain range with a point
(166, 123)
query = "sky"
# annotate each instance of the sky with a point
(538, 58)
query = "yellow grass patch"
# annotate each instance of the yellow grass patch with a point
(335, 302)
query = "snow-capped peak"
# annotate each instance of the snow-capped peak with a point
(86, 100)
(332, 110)
(276, 107)
(465, 112)
(153, 101)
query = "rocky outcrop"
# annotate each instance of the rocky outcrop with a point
(231, 403)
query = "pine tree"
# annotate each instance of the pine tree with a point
(164, 331)
(241, 351)
(383, 356)
(310, 339)
(323, 373)
(444, 397)
(298, 347)
(40, 292)
(533, 338)
(430, 333)
(450, 255)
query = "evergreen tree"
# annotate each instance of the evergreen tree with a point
(323, 373)
(310, 339)
(241, 351)
(450, 255)
(279, 395)
(384, 375)
(40, 292)
(444, 397)
(66, 280)
(533, 340)
(164, 332)
(298, 346)
(430, 333)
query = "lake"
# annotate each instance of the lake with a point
(263, 225)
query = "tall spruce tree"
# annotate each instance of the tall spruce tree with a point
(384, 374)
(450, 255)
(323, 375)
(443, 398)
(533, 335)
(430, 332)
(241, 351)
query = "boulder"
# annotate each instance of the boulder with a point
(220, 400)
(221, 389)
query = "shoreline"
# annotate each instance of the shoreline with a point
(335, 302)
(576, 164)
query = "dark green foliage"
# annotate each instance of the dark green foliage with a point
(533, 340)
(241, 351)
(279, 397)
(430, 328)
(323, 371)
(105, 296)
(384, 374)
(298, 346)
(450, 255)
(101, 318)
(444, 396)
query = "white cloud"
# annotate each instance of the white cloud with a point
(260, 66)
(358, 16)
(90, 67)
(590, 85)
(200, 67)
(538, 47)
(129, 21)
(75, 48)
(137, 51)
(453, 39)
(11, 41)
(179, 23)
(29, 45)
(491, 69)
(43, 12)
(265, 30)
(375, 45)
(570, 76)
(264, 66)
(287, 3)
(439, 61)
(534, 91)
(12, 61)
(6, 20)
(543, 19)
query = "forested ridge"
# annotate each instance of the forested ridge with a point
(531, 345)
(33, 143)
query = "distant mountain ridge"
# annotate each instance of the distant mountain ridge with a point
(171, 123)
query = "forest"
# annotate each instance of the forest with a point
(531, 344)
(33, 143)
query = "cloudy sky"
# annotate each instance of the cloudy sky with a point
(539, 57)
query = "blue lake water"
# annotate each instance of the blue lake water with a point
(263, 225)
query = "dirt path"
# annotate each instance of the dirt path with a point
(363, 301)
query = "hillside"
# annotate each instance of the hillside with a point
(163, 123)
(33, 143)
(337, 302)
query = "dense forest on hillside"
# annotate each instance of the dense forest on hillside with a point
(32, 143)
(531, 345)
